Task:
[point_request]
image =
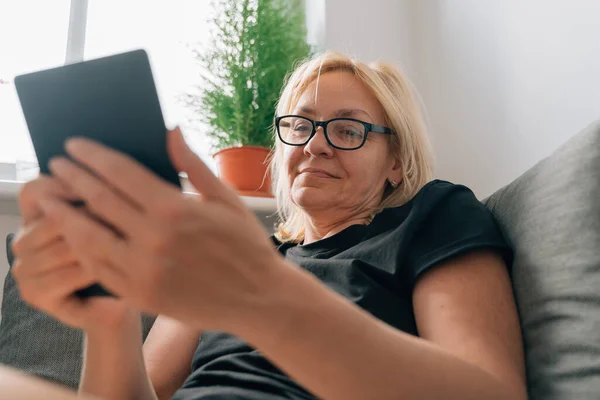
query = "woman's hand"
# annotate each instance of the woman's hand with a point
(204, 260)
(48, 272)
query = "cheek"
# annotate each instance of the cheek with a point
(357, 169)
(293, 153)
(291, 157)
(364, 174)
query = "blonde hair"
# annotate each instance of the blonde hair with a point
(409, 143)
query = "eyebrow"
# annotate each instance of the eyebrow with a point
(341, 113)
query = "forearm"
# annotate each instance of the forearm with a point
(338, 351)
(114, 365)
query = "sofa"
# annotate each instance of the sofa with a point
(550, 215)
(32, 341)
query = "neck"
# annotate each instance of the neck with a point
(319, 229)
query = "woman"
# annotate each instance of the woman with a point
(382, 284)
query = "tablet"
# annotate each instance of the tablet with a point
(112, 100)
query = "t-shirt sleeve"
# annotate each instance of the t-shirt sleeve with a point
(453, 223)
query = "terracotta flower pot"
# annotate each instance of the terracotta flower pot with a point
(245, 169)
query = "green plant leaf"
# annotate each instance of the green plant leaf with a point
(254, 45)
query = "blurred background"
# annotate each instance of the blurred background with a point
(503, 82)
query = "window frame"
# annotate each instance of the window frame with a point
(74, 52)
(76, 32)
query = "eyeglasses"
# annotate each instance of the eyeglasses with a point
(341, 133)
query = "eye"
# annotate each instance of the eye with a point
(302, 126)
(352, 132)
(349, 131)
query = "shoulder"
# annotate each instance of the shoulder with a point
(445, 220)
(443, 206)
(439, 192)
(437, 197)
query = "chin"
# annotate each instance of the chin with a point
(310, 197)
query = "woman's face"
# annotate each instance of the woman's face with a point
(334, 183)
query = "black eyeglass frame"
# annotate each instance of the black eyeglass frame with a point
(369, 127)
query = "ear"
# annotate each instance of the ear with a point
(395, 173)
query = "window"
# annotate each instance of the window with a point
(34, 36)
(164, 28)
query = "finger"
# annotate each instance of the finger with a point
(87, 238)
(65, 281)
(32, 191)
(34, 236)
(55, 294)
(73, 310)
(45, 290)
(100, 198)
(49, 258)
(207, 184)
(85, 312)
(108, 259)
(110, 277)
(123, 172)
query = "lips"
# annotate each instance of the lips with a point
(317, 171)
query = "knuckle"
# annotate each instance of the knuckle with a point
(159, 244)
(28, 294)
(60, 252)
(114, 166)
(51, 228)
(31, 190)
(98, 197)
(84, 237)
(17, 269)
(169, 211)
(154, 280)
(147, 295)
(73, 275)
(27, 193)
(67, 257)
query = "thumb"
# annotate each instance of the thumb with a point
(205, 182)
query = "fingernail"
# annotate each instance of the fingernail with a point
(58, 164)
(75, 144)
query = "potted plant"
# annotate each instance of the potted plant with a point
(253, 46)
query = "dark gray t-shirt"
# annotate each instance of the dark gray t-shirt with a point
(374, 266)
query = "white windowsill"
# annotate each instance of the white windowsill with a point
(10, 188)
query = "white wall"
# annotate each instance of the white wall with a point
(504, 82)
(369, 29)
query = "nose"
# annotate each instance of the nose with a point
(318, 144)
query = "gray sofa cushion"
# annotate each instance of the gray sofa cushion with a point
(32, 341)
(551, 215)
